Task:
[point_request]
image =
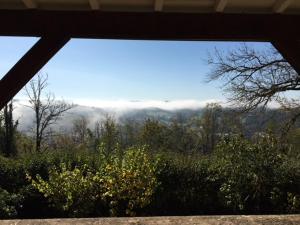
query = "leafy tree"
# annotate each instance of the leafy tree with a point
(153, 134)
(182, 136)
(294, 138)
(24, 143)
(232, 122)
(129, 133)
(109, 134)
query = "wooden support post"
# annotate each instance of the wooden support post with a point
(290, 50)
(28, 66)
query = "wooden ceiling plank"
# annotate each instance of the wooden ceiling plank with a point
(158, 5)
(30, 4)
(28, 66)
(220, 5)
(94, 4)
(281, 5)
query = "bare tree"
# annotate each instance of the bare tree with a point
(210, 126)
(253, 78)
(47, 110)
(80, 130)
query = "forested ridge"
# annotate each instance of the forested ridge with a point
(204, 164)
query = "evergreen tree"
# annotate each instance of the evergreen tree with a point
(8, 128)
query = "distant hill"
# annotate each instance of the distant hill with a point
(252, 122)
(94, 114)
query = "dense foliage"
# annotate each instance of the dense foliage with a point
(254, 176)
(240, 176)
(122, 183)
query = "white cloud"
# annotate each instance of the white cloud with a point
(96, 110)
(124, 105)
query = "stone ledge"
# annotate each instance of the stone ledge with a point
(180, 220)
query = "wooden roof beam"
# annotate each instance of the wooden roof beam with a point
(158, 5)
(94, 4)
(149, 26)
(220, 5)
(290, 50)
(281, 5)
(30, 4)
(28, 66)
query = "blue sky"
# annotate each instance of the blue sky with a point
(113, 70)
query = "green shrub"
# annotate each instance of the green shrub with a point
(251, 174)
(68, 190)
(184, 188)
(12, 175)
(8, 204)
(125, 182)
(129, 181)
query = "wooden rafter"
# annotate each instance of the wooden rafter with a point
(151, 26)
(94, 4)
(220, 5)
(158, 5)
(28, 66)
(281, 5)
(30, 4)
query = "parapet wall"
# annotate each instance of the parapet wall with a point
(180, 220)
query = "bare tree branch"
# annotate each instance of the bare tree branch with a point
(47, 110)
(254, 78)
